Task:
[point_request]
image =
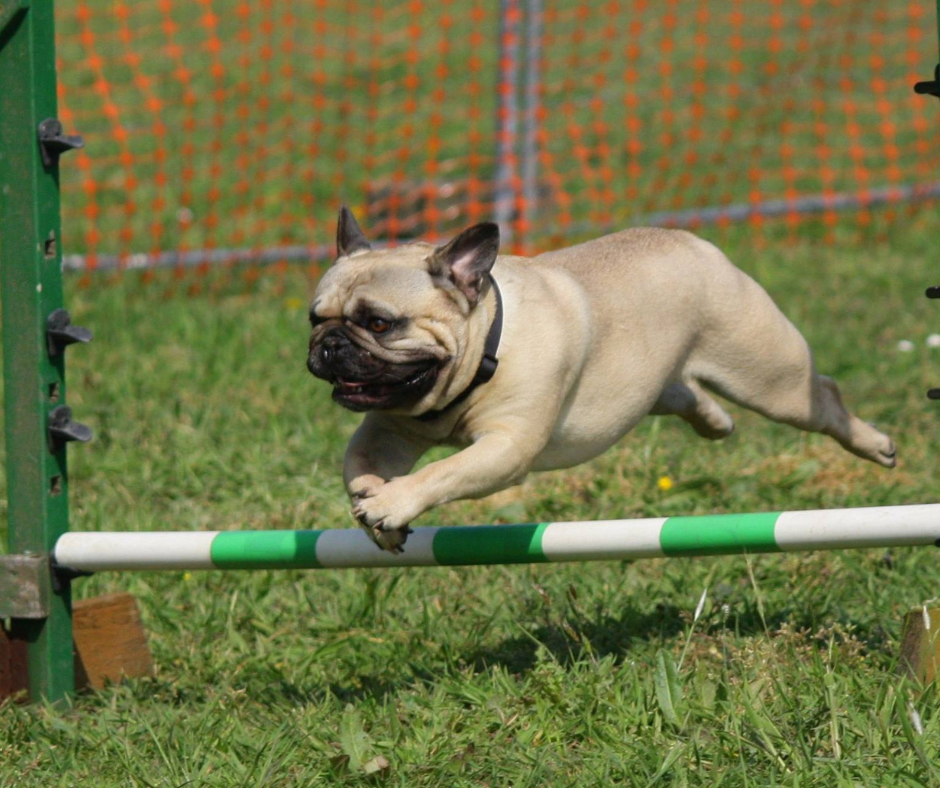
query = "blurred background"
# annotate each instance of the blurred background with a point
(224, 132)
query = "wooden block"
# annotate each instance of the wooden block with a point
(920, 644)
(13, 677)
(110, 642)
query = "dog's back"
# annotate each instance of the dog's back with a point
(673, 315)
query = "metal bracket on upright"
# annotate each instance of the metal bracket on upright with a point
(9, 9)
(930, 87)
(53, 142)
(63, 430)
(60, 332)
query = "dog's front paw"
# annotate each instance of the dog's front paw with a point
(364, 486)
(384, 516)
(390, 539)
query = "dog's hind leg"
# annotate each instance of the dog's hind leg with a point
(780, 381)
(691, 403)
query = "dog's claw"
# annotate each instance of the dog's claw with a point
(390, 539)
(384, 535)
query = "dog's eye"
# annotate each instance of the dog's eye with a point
(378, 326)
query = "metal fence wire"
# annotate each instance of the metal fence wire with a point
(230, 131)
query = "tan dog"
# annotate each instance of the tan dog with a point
(592, 339)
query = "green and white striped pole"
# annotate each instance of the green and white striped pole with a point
(829, 529)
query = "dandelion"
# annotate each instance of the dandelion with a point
(665, 483)
(293, 303)
(187, 576)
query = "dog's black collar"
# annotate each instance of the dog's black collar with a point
(488, 363)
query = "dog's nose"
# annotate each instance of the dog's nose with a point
(330, 347)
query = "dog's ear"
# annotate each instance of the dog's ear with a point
(467, 259)
(349, 236)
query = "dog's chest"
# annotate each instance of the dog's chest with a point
(572, 444)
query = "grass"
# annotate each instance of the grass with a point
(548, 675)
(576, 675)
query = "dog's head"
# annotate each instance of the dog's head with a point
(391, 327)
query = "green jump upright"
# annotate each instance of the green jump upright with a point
(35, 329)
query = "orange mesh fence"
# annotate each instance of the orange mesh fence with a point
(684, 114)
(230, 131)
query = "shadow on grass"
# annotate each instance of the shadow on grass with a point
(575, 639)
(568, 641)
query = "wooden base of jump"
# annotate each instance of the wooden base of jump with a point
(920, 644)
(110, 645)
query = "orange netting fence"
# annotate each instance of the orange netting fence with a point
(228, 130)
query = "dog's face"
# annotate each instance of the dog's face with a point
(390, 326)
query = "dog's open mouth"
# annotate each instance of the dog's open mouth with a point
(388, 391)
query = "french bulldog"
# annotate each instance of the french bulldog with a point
(532, 364)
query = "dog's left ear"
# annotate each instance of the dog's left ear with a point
(467, 259)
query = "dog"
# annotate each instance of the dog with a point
(533, 364)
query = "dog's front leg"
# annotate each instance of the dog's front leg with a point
(495, 461)
(374, 456)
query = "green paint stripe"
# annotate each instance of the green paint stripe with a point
(719, 534)
(466, 545)
(265, 550)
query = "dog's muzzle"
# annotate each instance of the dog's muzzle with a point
(362, 381)
(337, 357)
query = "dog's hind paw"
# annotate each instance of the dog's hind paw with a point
(888, 456)
(866, 441)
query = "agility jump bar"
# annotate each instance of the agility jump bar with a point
(596, 540)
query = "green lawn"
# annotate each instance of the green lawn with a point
(567, 675)
(593, 674)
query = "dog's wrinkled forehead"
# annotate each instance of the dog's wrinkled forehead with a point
(396, 276)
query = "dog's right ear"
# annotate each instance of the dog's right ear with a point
(349, 236)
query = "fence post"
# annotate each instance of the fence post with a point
(530, 145)
(507, 119)
(31, 283)
(938, 20)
